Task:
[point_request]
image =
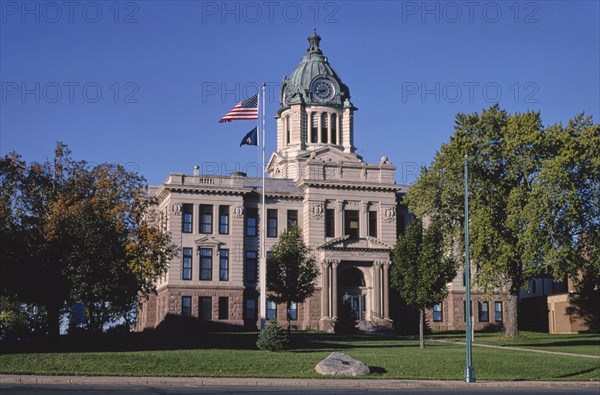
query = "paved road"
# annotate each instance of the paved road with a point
(72, 389)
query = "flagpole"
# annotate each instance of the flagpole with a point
(263, 254)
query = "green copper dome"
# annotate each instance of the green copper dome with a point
(314, 68)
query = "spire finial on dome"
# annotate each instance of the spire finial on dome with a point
(314, 41)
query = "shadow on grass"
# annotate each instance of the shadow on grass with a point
(377, 370)
(564, 376)
(237, 338)
(589, 343)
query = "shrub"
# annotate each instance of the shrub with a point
(345, 323)
(273, 337)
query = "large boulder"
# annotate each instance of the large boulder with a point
(339, 364)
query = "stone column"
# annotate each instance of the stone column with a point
(339, 215)
(363, 219)
(377, 288)
(334, 289)
(325, 289)
(386, 289)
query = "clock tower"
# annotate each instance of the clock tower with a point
(315, 115)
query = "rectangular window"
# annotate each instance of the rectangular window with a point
(223, 308)
(294, 311)
(329, 222)
(224, 220)
(400, 226)
(206, 264)
(250, 313)
(187, 214)
(292, 219)
(373, 223)
(498, 311)
(351, 224)
(206, 218)
(223, 265)
(465, 310)
(205, 308)
(438, 313)
(251, 267)
(484, 312)
(271, 309)
(186, 306)
(186, 273)
(271, 223)
(251, 222)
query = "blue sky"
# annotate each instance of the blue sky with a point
(144, 83)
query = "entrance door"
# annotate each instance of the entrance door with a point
(356, 304)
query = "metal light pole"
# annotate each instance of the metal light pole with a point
(469, 376)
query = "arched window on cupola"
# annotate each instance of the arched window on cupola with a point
(288, 132)
(324, 127)
(333, 138)
(314, 127)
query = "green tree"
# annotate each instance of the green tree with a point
(533, 199)
(422, 268)
(273, 338)
(79, 233)
(291, 272)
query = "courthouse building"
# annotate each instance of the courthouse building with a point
(348, 211)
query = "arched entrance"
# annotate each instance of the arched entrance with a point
(352, 290)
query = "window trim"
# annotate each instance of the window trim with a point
(224, 259)
(496, 311)
(329, 222)
(292, 214)
(185, 214)
(247, 316)
(251, 213)
(202, 311)
(223, 313)
(184, 308)
(482, 312)
(271, 312)
(255, 268)
(440, 312)
(204, 270)
(270, 228)
(373, 223)
(223, 213)
(191, 264)
(202, 223)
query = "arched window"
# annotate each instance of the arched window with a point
(333, 129)
(314, 127)
(324, 119)
(288, 132)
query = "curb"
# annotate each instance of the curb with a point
(267, 382)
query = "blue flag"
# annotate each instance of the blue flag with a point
(250, 138)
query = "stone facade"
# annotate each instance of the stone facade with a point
(348, 211)
(346, 208)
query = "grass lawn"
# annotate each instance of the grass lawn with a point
(389, 358)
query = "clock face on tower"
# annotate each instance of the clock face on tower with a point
(323, 90)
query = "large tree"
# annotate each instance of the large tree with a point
(291, 271)
(533, 198)
(72, 232)
(422, 268)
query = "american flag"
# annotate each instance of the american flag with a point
(247, 109)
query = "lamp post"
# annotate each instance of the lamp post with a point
(469, 376)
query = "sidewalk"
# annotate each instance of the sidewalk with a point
(256, 382)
